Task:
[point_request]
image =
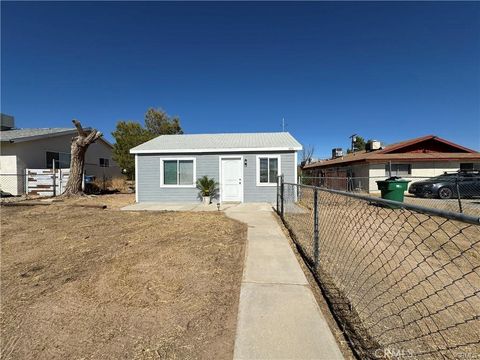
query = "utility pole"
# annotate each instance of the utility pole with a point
(283, 124)
(354, 138)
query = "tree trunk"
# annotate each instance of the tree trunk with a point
(78, 149)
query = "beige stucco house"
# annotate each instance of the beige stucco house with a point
(412, 159)
(42, 148)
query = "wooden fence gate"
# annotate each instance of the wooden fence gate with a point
(46, 182)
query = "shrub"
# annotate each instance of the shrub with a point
(207, 186)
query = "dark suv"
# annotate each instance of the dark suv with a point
(445, 186)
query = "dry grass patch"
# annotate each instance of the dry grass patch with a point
(91, 283)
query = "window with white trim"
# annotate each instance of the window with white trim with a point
(268, 169)
(178, 172)
(398, 169)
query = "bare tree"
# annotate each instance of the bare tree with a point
(306, 155)
(80, 144)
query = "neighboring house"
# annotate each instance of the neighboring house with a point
(425, 156)
(39, 148)
(246, 166)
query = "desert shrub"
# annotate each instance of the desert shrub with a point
(102, 183)
(120, 184)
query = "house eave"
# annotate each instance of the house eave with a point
(37, 137)
(226, 150)
(382, 160)
(47, 136)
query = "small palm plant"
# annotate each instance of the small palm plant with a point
(208, 188)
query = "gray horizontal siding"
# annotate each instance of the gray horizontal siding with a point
(254, 193)
(149, 178)
(206, 164)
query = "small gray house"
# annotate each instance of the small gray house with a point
(246, 166)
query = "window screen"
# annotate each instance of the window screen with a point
(185, 172)
(272, 170)
(264, 170)
(170, 172)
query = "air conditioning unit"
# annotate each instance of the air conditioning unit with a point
(373, 145)
(7, 122)
(337, 152)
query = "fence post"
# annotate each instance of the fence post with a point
(282, 192)
(54, 179)
(83, 180)
(26, 181)
(278, 195)
(315, 227)
(458, 195)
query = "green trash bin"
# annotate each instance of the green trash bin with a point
(393, 189)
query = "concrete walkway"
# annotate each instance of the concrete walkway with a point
(278, 317)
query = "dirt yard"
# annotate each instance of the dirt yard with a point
(84, 283)
(404, 282)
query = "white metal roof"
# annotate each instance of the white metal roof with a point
(202, 143)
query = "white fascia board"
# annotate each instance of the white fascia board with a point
(180, 151)
(43, 136)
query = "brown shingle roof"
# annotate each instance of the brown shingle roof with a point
(386, 155)
(402, 144)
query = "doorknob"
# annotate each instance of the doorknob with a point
(240, 181)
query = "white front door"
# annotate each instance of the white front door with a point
(231, 181)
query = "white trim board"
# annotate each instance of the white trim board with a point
(136, 178)
(295, 154)
(216, 150)
(257, 168)
(162, 160)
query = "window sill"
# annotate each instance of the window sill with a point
(177, 186)
(267, 184)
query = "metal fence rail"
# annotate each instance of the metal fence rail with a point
(403, 283)
(460, 194)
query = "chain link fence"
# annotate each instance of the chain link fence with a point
(402, 280)
(12, 184)
(458, 192)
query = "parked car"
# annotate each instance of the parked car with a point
(89, 179)
(90, 187)
(445, 186)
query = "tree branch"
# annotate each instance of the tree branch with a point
(79, 127)
(92, 137)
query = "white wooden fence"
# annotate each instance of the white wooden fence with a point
(46, 182)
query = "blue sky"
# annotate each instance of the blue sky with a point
(384, 70)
